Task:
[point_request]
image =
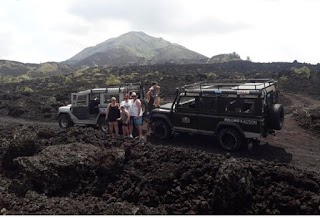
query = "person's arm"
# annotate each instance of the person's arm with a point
(148, 96)
(128, 117)
(139, 107)
(107, 112)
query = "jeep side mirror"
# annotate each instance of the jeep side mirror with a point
(177, 91)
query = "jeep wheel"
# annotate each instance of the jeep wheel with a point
(229, 139)
(103, 124)
(65, 121)
(276, 117)
(161, 130)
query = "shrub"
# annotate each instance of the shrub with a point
(211, 75)
(283, 78)
(67, 80)
(303, 72)
(113, 80)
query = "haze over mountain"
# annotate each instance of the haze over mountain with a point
(136, 48)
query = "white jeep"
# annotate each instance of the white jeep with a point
(89, 107)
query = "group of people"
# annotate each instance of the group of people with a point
(130, 112)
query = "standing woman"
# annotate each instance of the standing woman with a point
(112, 114)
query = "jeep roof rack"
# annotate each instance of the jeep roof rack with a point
(230, 86)
(125, 86)
(119, 88)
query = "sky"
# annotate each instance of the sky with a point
(37, 31)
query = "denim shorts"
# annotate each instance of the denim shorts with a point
(136, 121)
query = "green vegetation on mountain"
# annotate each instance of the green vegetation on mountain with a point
(225, 58)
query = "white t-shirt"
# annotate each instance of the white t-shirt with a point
(134, 110)
(126, 104)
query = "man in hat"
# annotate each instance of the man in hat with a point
(135, 115)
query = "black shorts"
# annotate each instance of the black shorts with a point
(112, 119)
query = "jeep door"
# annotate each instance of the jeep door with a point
(80, 106)
(208, 117)
(185, 116)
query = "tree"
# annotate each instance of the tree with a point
(235, 55)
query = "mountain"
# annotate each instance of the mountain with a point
(135, 48)
(224, 58)
(27, 70)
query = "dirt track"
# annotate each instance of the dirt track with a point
(303, 145)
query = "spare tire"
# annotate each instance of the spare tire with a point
(276, 117)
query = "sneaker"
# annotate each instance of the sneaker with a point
(130, 136)
(141, 141)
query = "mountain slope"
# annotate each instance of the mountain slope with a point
(135, 48)
(16, 69)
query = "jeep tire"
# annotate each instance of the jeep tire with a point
(103, 124)
(65, 121)
(161, 129)
(230, 139)
(276, 117)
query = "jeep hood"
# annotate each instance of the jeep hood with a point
(65, 108)
(166, 106)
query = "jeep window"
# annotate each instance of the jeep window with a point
(239, 105)
(107, 98)
(207, 104)
(82, 100)
(93, 96)
(186, 102)
(270, 98)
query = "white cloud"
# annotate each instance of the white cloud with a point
(265, 30)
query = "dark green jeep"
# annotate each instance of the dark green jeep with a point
(237, 112)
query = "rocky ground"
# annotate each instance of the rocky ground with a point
(309, 120)
(45, 170)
